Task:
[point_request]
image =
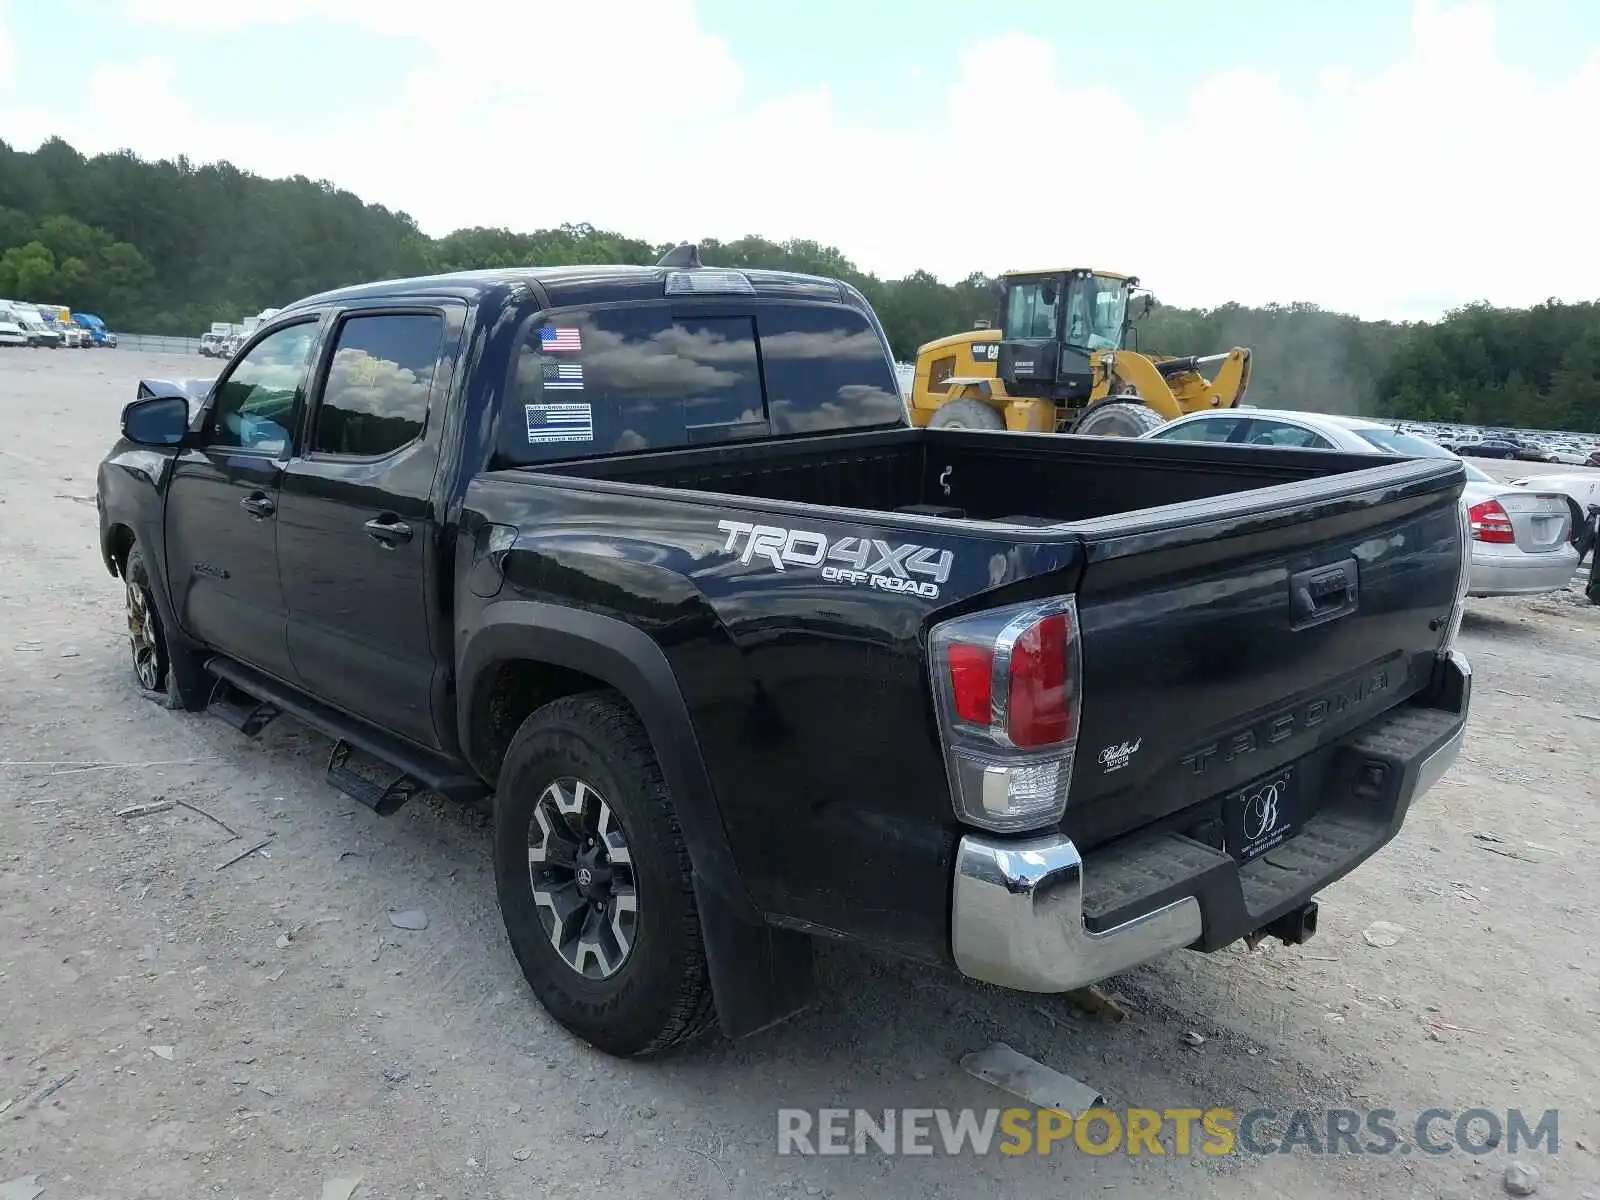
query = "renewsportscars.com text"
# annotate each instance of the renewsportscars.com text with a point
(1172, 1131)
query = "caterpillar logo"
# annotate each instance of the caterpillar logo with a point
(918, 570)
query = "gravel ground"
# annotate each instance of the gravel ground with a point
(171, 1026)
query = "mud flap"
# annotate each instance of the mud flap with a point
(760, 976)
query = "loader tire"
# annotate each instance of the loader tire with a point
(966, 413)
(1117, 418)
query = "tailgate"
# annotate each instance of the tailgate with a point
(1226, 637)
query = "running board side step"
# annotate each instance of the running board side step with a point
(360, 751)
(384, 799)
(240, 709)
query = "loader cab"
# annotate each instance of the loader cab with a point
(1051, 322)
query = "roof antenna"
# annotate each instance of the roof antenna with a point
(685, 255)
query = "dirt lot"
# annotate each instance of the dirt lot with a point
(170, 1027)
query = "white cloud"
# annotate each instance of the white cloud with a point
(8, 55)
(1445, 177)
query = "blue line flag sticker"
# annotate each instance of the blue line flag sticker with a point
(562, 377)
(559, 423)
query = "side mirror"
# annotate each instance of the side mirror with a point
(1149, 305)
(156, 421)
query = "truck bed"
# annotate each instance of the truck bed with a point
(1017, 478)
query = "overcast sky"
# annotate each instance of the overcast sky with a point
(1382, 157)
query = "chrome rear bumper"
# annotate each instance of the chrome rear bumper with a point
(1018, 919)
(1017, 911)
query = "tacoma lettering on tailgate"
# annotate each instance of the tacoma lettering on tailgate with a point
(848, 560)
(1282, 725)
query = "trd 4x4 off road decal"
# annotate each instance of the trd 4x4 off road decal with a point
(848, 560)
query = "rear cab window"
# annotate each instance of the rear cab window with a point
(625, 379)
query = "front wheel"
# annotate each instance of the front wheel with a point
(594, 880)
(146, 638)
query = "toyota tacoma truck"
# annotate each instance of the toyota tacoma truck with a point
(650, 560)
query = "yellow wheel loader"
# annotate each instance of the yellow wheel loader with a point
(1057, 362)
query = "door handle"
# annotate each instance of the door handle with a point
(1324, 593)
(388, 531)
(259, 505)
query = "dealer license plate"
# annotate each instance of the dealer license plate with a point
(1262, 814)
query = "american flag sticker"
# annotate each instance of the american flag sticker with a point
(562, 377)
(559, 423)
(559, 340)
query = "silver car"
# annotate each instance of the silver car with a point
(1521, 538)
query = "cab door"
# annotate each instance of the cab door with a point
(358, 547)
(222, 502)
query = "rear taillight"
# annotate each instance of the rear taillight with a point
(1039, 712)
(1463, 577)
(971, 673)
(1007, 686)
(1490, 523)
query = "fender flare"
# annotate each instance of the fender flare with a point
(628, 660)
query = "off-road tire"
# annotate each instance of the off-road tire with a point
(183, 684)
(1117, 418)
(966, 413)
(147, 636)
(659, 998)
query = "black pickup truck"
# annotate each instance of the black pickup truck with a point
(651, 557)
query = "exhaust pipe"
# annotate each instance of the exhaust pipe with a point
(1295, 927)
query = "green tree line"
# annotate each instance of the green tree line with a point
(170, 246)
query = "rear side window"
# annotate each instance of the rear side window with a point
(614, 381)
(1273, 433)
(376, 397)
(1213, 429)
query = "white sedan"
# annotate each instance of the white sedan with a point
(1582, 486)
(1521, 538)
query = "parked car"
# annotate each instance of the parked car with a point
(1521, 539)
(95, 330)
(12, 334)
(1583, 487)
(654, 555)
(39, 334)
